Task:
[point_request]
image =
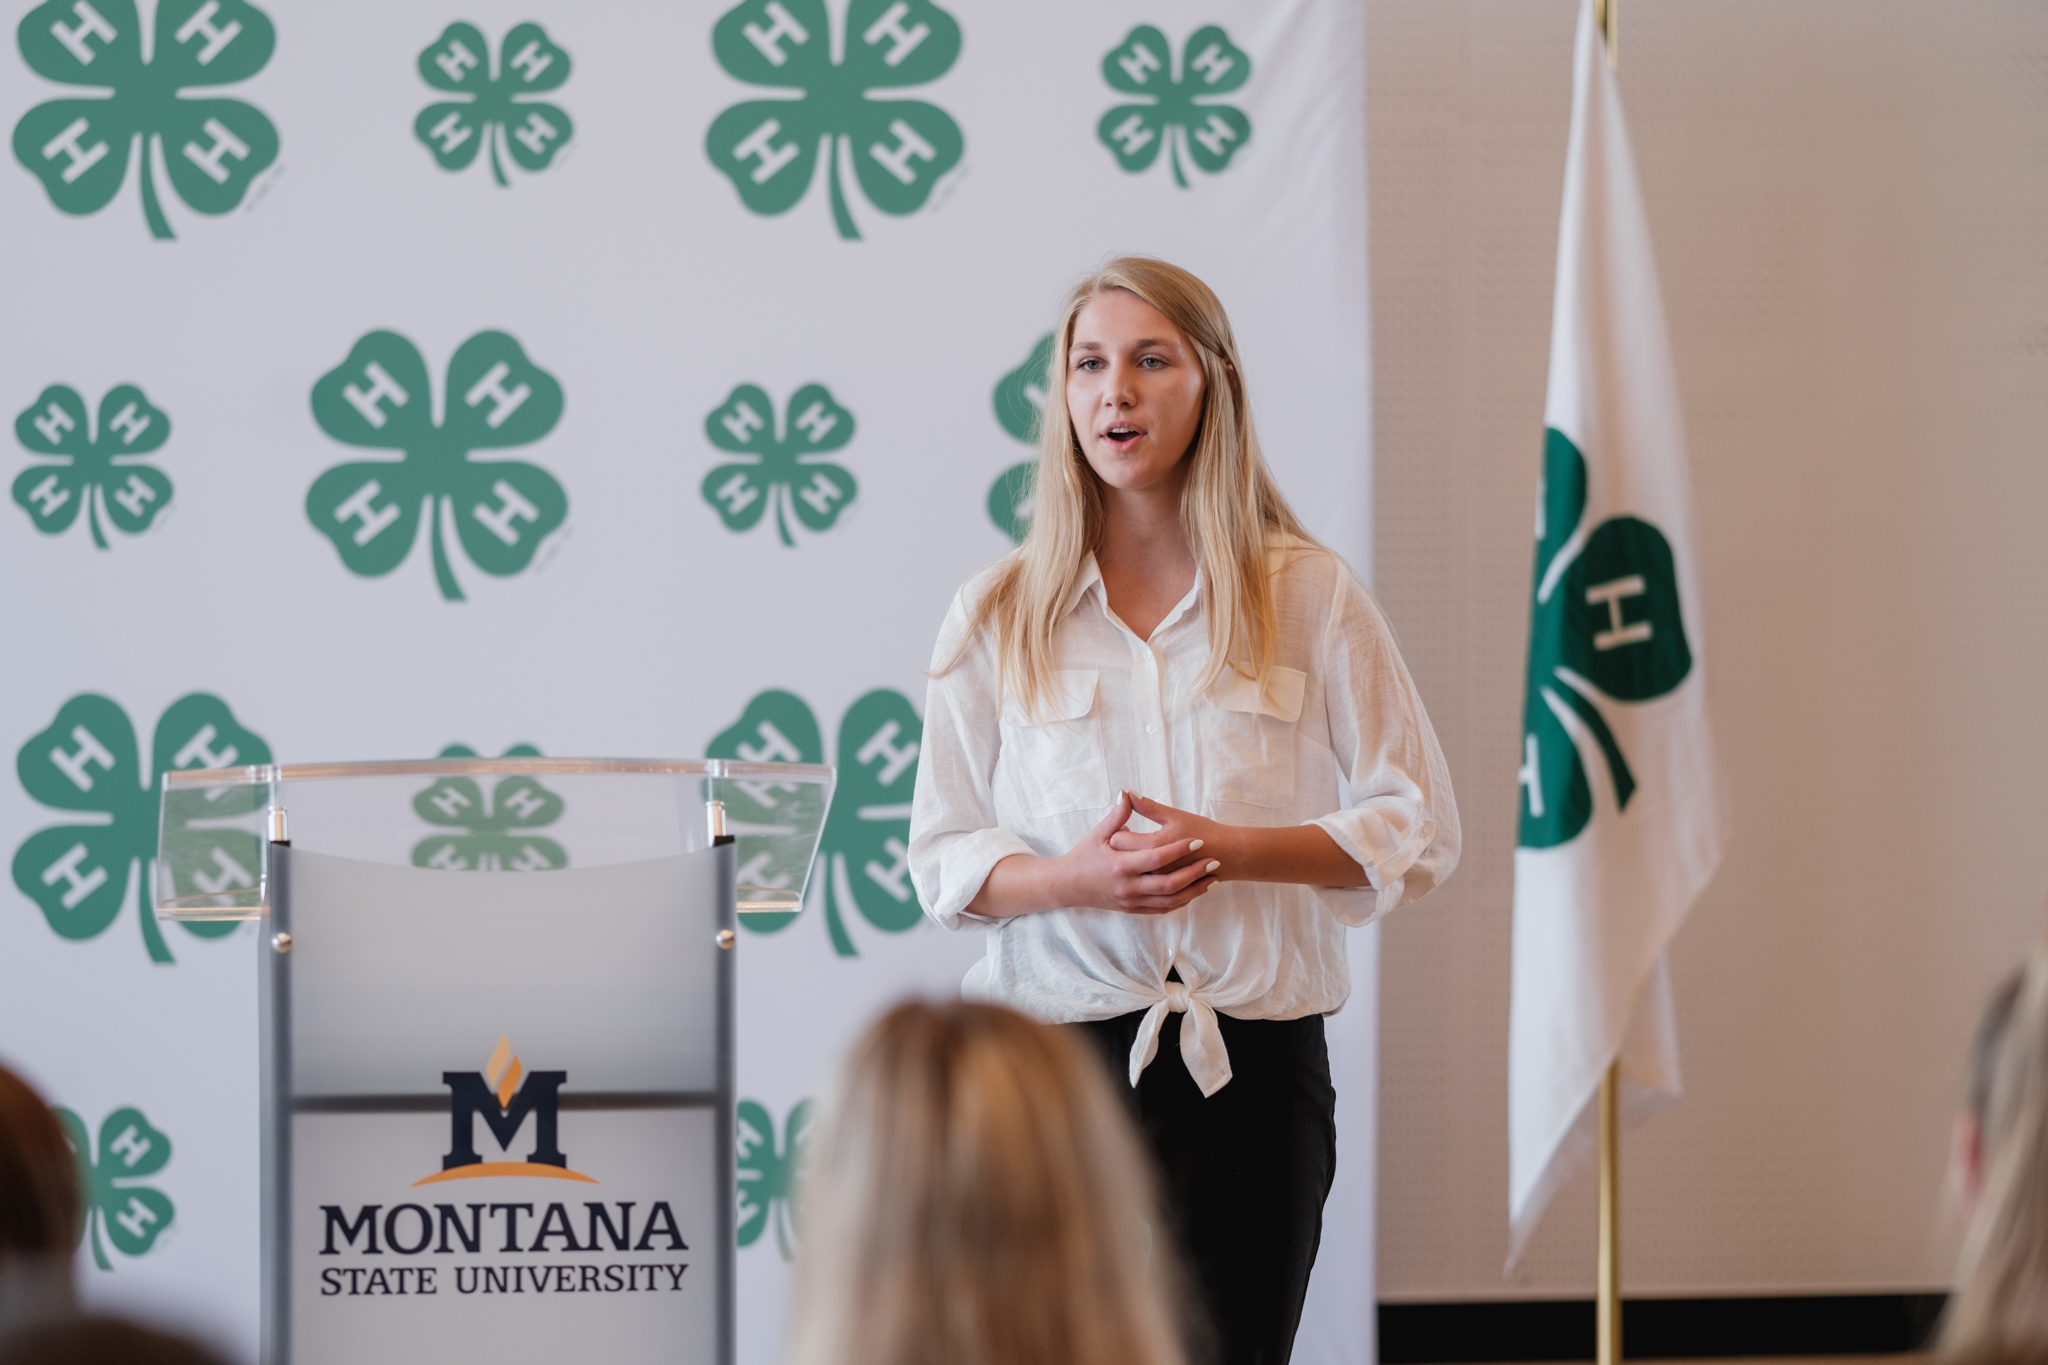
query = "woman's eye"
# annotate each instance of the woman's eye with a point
(1153, 362)
(1091, 364)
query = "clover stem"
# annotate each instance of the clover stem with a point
(152, 212)
(444, 573)
(493, 135)
(840, 216)
(842, 942)
(1173, 153)
(95, 510)
(782, 1231)
(99, 1253)
(781, 517)
(145, 908)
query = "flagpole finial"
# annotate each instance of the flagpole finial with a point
(1605, 12)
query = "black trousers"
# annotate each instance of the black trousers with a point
(1243, 1174)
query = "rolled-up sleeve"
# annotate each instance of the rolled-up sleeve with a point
(1400, 820)
(954, 837)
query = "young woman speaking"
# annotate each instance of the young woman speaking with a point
(1170, 754)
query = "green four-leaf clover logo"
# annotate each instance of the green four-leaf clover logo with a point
(213, 149)
(500, 510)
(495, 827)
(896, 149)
(495, 112)
(94, 476)
(130, 1149)
(866, 841)
(785, 470)
(87, 760)
(1178, 113)
(768, 1174)
(1019, 399)
(1605, 629)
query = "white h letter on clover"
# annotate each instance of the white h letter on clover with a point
(890, 879)
(134, 495)
(450, 131)
(1133, 133)
(78, 765)
(532, 60)
(202, 22)
(742, 421)
(1213, 64)
(83, 159)
(1619, 633)
(1216, 136)
(65, 869)
(510, 506)
(49, 495)
(200, 753)
(1139, 63)
(456, 59)
(821, 494)
(816, 421)
(136, 1217)
(761, 143)
(908, 144)
(536, 133)
(449, 802)
(54, 422)
(492, 386)
(524, 803)
(782, 25)
(90, 23)
(225, 143)
(882, 744)
(890, 25)
(229, 873)
(361, 505)
(382, 385)
(132, 424)
(736, 493)
(1531, 776)
(775, 747)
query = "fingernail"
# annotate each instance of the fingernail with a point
(1194, 844)
(1212, 867)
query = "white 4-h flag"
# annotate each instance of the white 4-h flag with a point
(1622, 814)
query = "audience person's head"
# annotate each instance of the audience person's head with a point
(976, 1196)
(1999, 1310)
(99, 1341)
(41, 1204)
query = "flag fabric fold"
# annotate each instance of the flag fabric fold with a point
(1623, 816)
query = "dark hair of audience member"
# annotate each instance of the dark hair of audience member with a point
(977, 1196)
(40, 1200)
(99, 1341)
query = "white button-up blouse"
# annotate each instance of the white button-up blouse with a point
(1340, 740)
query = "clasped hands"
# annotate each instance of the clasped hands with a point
(1116, 868)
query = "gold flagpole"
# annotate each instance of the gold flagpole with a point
(1608, 1303)
(1609, 21)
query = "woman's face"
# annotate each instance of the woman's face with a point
(1134, 391)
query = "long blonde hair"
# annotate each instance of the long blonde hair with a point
(2000, 1306)
(976, 1197)
(1232, 511)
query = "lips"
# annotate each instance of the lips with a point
(1121, 433)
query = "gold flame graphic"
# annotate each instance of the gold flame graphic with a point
(504, 1071)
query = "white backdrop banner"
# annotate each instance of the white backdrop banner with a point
(610, 379)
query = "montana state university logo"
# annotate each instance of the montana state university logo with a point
(503, 1095)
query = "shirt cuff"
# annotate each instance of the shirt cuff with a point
(1359, 906)
(964, 866)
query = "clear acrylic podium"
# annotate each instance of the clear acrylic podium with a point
(497, 1042)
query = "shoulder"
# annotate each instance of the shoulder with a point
(1315, 581)
(963, 616)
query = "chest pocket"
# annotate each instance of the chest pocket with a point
(1248, 741)
(1054, 762)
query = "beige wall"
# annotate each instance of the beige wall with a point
(1850, 204)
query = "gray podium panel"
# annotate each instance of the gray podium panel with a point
(499, 1112)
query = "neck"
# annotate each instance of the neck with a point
(1142, 531)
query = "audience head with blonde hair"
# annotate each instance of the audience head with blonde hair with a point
(1999, 1310)
(976, 1196)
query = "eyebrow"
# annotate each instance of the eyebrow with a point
(1140, 344)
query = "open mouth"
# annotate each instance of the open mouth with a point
(1122, 434)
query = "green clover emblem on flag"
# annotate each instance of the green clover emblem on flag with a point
(1019, 399)
(784, 470)
(1178, 112)
(87, 761)
(865, 846)
(768, 1174)
(494, 827)
(499, 510)
(130, 1150)
(1605, 629)
(93, 474)
(212, 149)
(896, 149)
(494, 111)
